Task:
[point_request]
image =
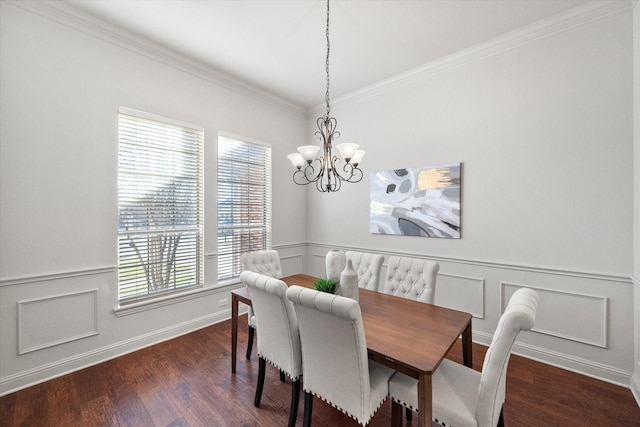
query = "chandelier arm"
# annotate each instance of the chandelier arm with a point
(337, 182)
(298, 176)
(352, 173)
(308, 174)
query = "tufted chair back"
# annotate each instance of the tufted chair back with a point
(278, 340)
(279, 337)
(334, 354)
(520, 315)
(411, 278)
(263, 262)
(368, 267)
(463, 396)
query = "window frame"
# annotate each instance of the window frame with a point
(184, 170)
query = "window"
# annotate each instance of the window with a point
(160, 205)
(244, 202)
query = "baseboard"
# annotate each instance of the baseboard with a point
(58, 368)
(578, 365)
(635, 386)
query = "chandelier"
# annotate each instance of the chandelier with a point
(327, 171)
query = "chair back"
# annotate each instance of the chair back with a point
(278, 337)
(411, 278)
(263, 262)
(334, 350)
(368, 267)
(519, 315)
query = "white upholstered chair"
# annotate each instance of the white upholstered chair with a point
(263, 262)
(411, 278)
(462, 396)
(368, 267)
(336, 367)
(278, 340)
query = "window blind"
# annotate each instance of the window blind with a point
(160, 205)
(244, 202)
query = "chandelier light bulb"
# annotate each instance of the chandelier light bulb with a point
(357, 157)
(347, 150)
(309, 152)
(296, 160)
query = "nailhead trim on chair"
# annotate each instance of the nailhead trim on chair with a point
(279, 368)
(406, 405)
(345, 412)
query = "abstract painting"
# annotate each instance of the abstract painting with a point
(423, 201)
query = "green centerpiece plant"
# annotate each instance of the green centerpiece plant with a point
(326, 285)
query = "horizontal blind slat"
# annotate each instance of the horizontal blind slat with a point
(160, 204)
(244, 202)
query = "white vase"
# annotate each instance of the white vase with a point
(349, 282)
(336, 261)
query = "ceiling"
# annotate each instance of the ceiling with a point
(280, 46)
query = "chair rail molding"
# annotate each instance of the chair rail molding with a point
(57, 276)
(593, 342)
(607, 277)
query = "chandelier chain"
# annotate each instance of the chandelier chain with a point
(328, 171)
(326, 97)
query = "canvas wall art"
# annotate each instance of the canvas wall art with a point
(422, 201)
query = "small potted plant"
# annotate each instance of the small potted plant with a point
(326, 285)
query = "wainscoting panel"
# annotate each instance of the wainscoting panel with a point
(291, 264)
(50, 321)
(572, 316)
(461, 293)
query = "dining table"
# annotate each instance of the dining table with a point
(409, 336)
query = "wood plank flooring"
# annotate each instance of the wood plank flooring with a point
(187, 381)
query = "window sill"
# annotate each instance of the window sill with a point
(152, 304)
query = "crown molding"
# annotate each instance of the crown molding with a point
(66, 14)
(565, 21)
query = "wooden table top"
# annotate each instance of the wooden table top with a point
(411, 336)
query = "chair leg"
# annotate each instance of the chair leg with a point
(262, 364)
(250, 341)
(396, 414)
(308, 408)
(501, 419)
(295, 398)
(282, 377)
(409, 414)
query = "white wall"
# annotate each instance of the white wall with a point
(62, 80)
(542, 121)
(635, 384)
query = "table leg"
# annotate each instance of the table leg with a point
(425, 409)
(396, 414)
(467, 346)
(234, 331)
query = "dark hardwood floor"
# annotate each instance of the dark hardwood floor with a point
(187, 381)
